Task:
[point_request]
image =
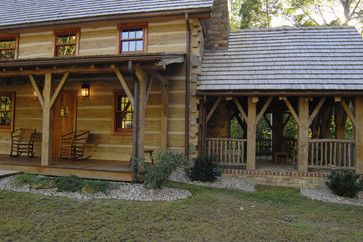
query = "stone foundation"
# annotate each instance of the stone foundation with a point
(293, 179)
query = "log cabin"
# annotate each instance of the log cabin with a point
(136, 76)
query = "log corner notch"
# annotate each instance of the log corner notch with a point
(47, 100)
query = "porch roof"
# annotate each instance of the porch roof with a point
(286, 59)
(23, 13)
(70, 63)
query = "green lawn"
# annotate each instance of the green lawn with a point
(210, 215)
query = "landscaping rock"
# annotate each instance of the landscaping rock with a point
(118, 190)
(324, 194)
(222, 182)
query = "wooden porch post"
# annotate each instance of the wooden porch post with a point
(47, 121)
(359, 134)
(141, 75)
(251, 133)
(303, 142)
(164, 116)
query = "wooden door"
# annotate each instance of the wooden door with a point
(64, 118)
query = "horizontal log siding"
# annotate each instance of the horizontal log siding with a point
(96, 113)
(165, 36)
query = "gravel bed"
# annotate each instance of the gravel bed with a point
(118, 190)
(222, 182)
(324, 194)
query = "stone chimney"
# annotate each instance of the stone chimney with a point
(218, 27)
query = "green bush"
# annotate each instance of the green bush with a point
(205, 169)
(165, 162)
(35, 181)
(23, 179)
(344, 183)
(69, 183)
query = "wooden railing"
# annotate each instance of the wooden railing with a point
(231, 152)
(331, 153)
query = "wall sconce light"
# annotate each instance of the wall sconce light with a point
(85, 90)
(35, 94)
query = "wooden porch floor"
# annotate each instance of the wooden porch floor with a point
(95, 169)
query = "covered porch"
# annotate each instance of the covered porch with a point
(315, 133)
(125, 110)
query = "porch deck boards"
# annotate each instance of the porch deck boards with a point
(95, 169)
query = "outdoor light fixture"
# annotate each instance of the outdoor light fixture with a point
(85, 90)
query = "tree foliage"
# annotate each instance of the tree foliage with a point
(260, 13)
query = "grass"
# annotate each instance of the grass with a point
(211, 215)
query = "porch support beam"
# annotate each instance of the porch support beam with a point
(37, 90)
(164, 116)
(267, 121)
(349, 112)
(240, 109)
(251, 133)
(358, 105)
(263, 110)
(291, 109)
(59, 88)
(303, 142)
(123, 83)
(148, 89)
(142, 77)
(47, 121)
(214, 108)
(316, 110)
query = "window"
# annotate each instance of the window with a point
(8, 48)
(133, 39)
(66, 43)
(6, 111)
(124, 113)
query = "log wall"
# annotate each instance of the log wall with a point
(164, 35)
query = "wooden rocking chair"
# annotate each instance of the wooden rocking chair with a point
(73, 145)
(22, 141)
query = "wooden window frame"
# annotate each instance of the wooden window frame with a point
(131, 26)
(127, 131)
(10, 37)
(56, 33)
(12, 95)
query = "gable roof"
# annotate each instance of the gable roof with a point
(293, 59)
(21, 12)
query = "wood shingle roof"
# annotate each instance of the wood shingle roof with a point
(296, 59)
(22, 12)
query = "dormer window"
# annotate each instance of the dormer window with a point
(132, 39)
(66, 43)
(8, 47)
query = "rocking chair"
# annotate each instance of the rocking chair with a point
(73, 145)
(22, 141)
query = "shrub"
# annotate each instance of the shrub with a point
(69, 183)
(35, 182)
(93, 186)
(23, 179)
(205, 169)
(344, 183)
(165, 162)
